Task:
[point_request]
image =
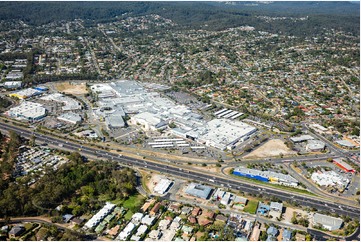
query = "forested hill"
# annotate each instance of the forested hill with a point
(210, 15)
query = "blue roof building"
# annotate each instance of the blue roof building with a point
(263, 208)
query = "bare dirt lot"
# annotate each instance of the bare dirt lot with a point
(72, 88)
(299, 213)
(271, 148)
(152, 182)
(209, 168)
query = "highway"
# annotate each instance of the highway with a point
(310, 201)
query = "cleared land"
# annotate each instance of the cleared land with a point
(289, 214)
(152, 181)
(251, 207)
(72, 88)
(274, 147)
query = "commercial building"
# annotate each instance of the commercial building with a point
(221, 133)
(301, 138)
(198, 190)
(114, 121)
(315, 145)
(149, 121)
(41, 88)
(343, 165)
(103, 90)
(69, 103)
(330, 178)
(346, 144)
(218, 194)
(25, 93)
(70, 117)
(14, 75)
(266, 176)
(162, 186)
(154, 112)
(327, 222)
(28, 110)
(250, 173)
(13, 84)
(226, 198)
(319, 128)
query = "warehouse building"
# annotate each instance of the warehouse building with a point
(28, 110)
(163, 186)
(301, 138)
(69, 103)
(327, 222)
(266, 176)
(103, 90)
(319, 128)
(315, 145)
(221, 133)
(250, 173)
(198, 190)
(346, 144)
(41, 88)
(13, 84)
(148, 120)
(70, 117)
(343, 165)
(14, 75)
(25, 93)
(114, 121)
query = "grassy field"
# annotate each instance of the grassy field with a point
(134, 202)
(128, 215)
(251, 207)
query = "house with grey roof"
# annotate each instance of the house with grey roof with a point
(287, 235)
(276, 206)
(16, 231)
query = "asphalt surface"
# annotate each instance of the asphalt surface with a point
(314, 202)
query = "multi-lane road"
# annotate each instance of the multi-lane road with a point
(304, 200)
